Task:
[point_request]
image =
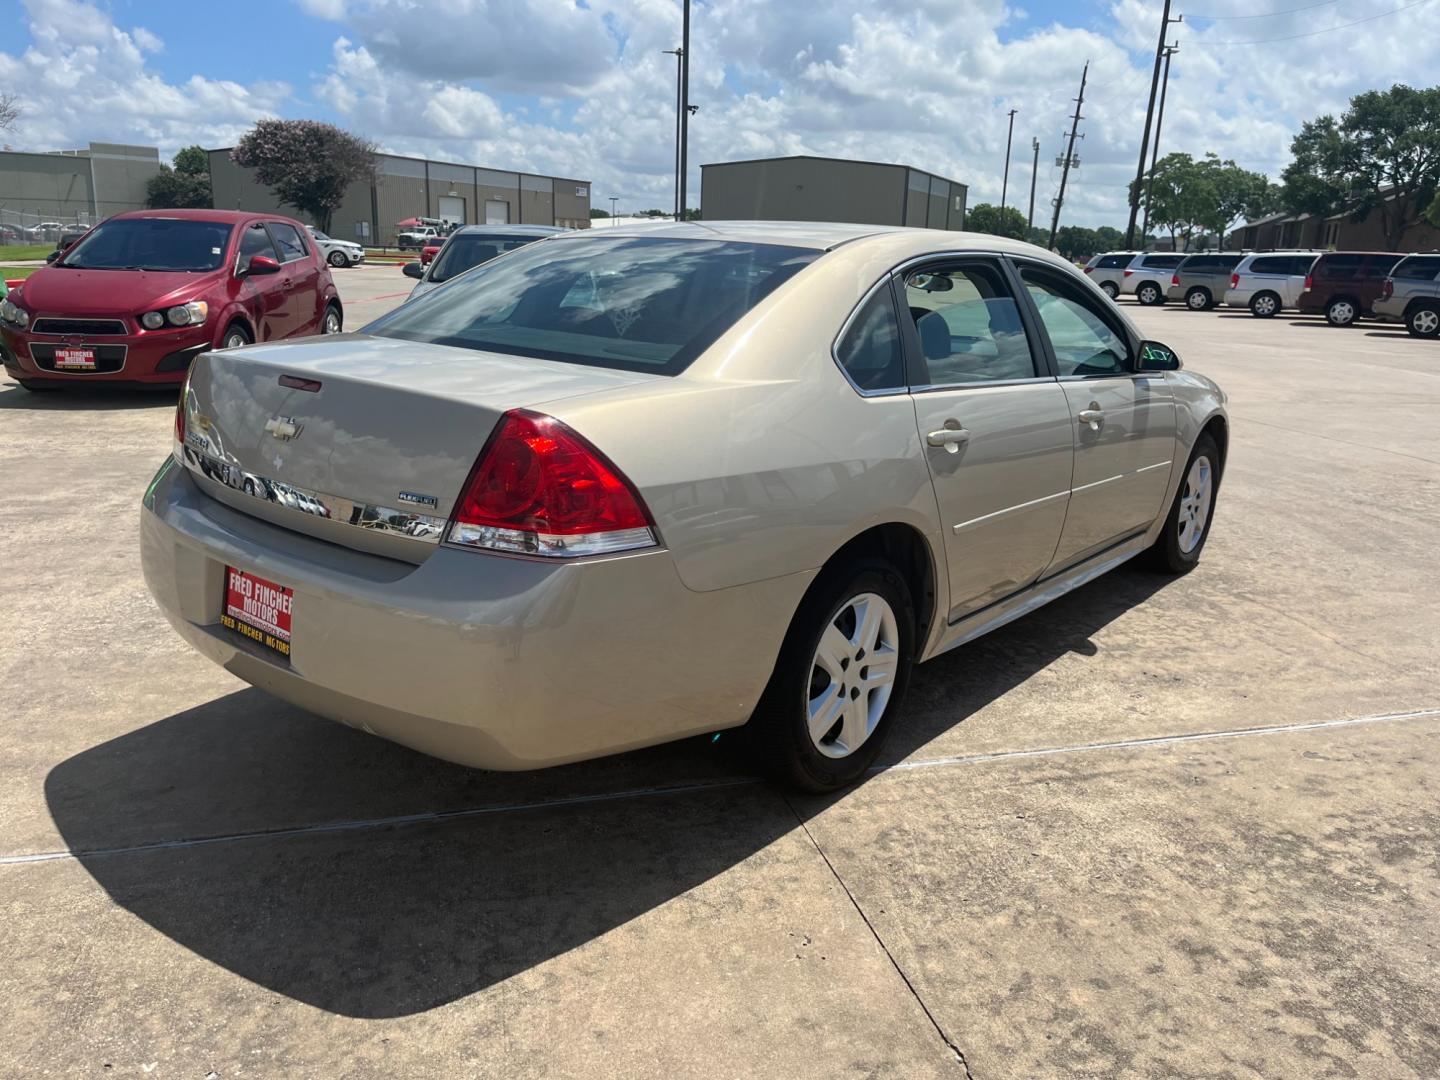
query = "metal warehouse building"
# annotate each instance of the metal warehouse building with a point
(830, 189)
(74, 186)
(407, 187)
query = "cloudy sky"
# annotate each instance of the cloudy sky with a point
(582, 88)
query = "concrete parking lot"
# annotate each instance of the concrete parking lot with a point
(1170, 828)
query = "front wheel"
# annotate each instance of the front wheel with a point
(840, 679)
(337, 259)
(332, 321)
(1149, 294)
(1109, 289)
(1187, 526)
(235, 336)
(1424, 322)
(1341, 312)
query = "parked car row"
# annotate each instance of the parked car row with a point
(1344, 286)
(468, 247)
(140, 295)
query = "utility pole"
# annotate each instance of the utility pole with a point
(1165, 22)
(1005, 184)
(1170, 50)
(684, 103)
(1034, 172)
(1070, 153)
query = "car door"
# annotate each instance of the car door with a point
(299, 273)
(1123, 421)
(264, 294)
(993, 423)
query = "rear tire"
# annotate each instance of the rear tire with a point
(1109, 289)
(1342, 311)
(1198, 299)
(828, 708)
(1424, 321)
(1149, 294)
(1265, 305)
(1177, 549)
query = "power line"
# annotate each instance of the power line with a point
(1268, 14)
(1313, 33)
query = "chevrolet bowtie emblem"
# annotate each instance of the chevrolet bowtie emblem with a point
(283, 428)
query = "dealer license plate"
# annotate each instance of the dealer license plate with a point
(258, 609)
(75, 359)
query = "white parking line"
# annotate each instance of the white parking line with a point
(431, 816)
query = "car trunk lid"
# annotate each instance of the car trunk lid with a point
(361, 441)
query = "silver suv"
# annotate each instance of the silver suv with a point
(1269, 282)
(1148, 276)
(1411, 294)
(1201, 280)
(1108, 270)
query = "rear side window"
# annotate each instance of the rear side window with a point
(1379, 266)
(288, 241)
(1275, 264)
(1418, 268)
(1114, 262)
(1163, 262)
(1341, 267)
(640, 303)
(870, 350)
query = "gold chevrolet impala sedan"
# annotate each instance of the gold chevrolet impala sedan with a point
(625, 486)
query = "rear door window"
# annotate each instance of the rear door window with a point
(1338, 267)
(1418, 268)
(968, 324)
(1275, 264)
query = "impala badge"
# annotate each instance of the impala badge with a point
(283, 428)
(417, 499)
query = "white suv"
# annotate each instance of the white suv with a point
(1270, 281)
(337, 253)
(1148, 277)
(1108, 270)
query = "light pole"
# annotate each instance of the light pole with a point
(1170, 50)
(1034, 171)
(1005, 184)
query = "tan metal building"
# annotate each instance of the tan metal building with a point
(74, 186)
(805, 188)
(407, 187)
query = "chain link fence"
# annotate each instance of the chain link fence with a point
(21, 226)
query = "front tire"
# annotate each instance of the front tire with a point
(1198, 299)
(1265, 305)
(1341, 312)
(1187, 526)
(235, 336)
(1149, 294)
(338, 260)
(1109, 289)
(333, 320)
(839, 681)
(1424, 322)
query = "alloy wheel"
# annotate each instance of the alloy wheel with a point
(1195, 499)
(1198, 300)
(235, 339)
(332, 321)
(1264, 306)
(852, 675)
(1110, 290)
(337, 259)
(1425, 322)
(1148, 294)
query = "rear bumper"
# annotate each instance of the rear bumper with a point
(1391, 310)
(159, 359)
(495, 662)
(1239, 297)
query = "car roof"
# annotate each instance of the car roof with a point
(229, 217)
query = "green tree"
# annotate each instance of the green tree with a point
(1108, 238)
(596, 212)
(308, 164)
(984, 218)
(1075, 242)
(1180, 193)
(186, 186)
(1382, 155)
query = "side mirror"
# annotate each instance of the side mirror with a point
(414, 270)
(52, 257)
(262, 264)
(1157, 357)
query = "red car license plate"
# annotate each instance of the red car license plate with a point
(258, 609)
(78, 359)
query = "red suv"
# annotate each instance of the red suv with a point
(144, 292)
(1344, 285)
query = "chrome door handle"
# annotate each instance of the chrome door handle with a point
(949, 438)
(1092, 416)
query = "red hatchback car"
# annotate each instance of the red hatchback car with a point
(144, 292)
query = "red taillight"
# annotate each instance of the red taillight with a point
(1309, 282)
(1234, 281)
(1387, 288)
(1174, 279)
(538, 488)
(1088, 269)
(1129, 272)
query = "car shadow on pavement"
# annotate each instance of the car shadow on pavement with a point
(265, 840)
(74, 399)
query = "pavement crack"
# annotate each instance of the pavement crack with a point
(949, 1042)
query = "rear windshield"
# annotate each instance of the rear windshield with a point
(151, 244)
(639, 303)
(466, 250)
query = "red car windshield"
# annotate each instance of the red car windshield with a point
(173, 244)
